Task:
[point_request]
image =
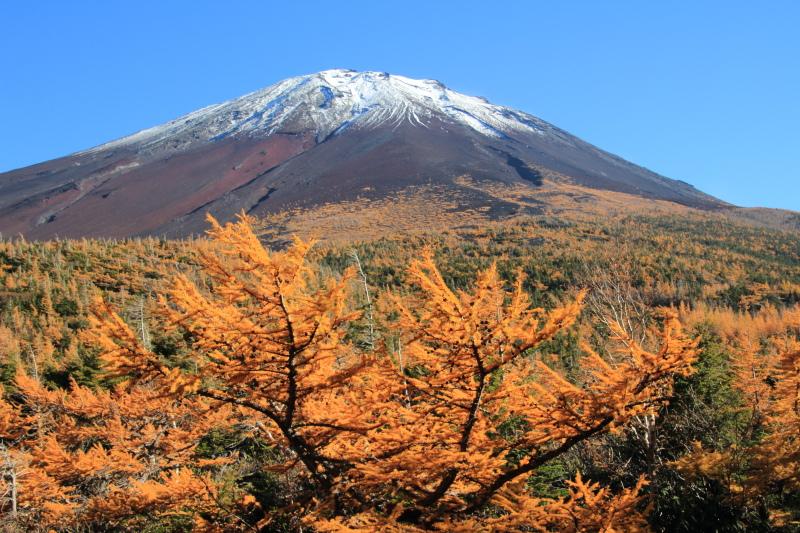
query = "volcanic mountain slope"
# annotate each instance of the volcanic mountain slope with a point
(331, 137)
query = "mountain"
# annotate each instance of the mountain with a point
(313, 141)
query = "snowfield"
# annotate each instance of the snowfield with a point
(331, 101)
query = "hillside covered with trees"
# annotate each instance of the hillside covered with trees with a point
(624, 373)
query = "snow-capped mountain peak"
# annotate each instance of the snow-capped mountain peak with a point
(308, 141)
(331, 101)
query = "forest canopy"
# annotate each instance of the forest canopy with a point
(223, 384)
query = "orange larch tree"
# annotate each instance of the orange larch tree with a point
(765, 468)
(269, 341)
(464, 362)
(410, 436)
(117, 458)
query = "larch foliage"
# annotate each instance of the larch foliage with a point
(438, 429)
(84, 457)
(767, 375)
(269, 341)
(465, 366)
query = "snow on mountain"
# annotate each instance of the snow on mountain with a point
(309, 141)
(332, 101)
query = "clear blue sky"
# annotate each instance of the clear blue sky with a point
(707, 92)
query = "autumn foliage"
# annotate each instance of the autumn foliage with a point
(767, 462)
(82, 457)
(438, 427)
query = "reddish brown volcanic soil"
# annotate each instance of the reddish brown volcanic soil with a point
(121, 199)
